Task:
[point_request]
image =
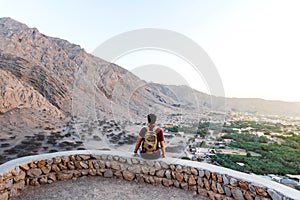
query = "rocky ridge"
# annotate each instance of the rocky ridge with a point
(51, 87)
(54, 95)
(54, 67)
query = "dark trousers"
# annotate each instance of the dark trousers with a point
(151, 156)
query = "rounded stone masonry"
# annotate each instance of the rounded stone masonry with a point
(203, 179)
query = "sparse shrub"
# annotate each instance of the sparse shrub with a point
(97, 138)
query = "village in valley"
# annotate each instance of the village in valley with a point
(266, 145)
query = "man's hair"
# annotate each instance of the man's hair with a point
(151, 118)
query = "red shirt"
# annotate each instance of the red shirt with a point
(159, 133)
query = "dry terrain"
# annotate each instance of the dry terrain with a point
(101, 188)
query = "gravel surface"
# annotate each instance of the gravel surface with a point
(105, 188)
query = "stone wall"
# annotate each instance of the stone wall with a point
(203, 179)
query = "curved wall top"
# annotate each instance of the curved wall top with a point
(278, 191)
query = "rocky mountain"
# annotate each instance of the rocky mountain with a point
(51, 90)
(56, 69)
(70, 82)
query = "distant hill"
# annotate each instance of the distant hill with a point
(251, 105)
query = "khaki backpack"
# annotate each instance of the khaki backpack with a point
(150, 141)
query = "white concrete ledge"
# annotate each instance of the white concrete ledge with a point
(253, 179)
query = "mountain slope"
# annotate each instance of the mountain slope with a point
(52, 92)
(67, 76)
(80, 84)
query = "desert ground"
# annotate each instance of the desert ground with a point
(23, 136)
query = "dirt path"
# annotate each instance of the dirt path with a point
(105, 188)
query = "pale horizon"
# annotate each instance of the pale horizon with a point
(253, 44)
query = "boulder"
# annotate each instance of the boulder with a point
(35, 172)
(129, 175)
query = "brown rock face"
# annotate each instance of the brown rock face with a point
(184, 186)
(243, 185)
(52, 177)
(192, 181)
(219, 178)
(260, 191)
(207, 174)
(51, 68)
(200, 182)
(46, 169)
(83, 165)
(160, 173)
(130, 176)
(237, 194)
(206, 184)
(158, 181)
(194, 171)
(41, 163)
(211, 195)
(36, 172)
(4, 195)
(108, 174)
(167, 182)
(179, 177)
(55, 168)
(220, 188)
(34, 182)
(214, 176)
(214, 186)
(20, 176)
(24, 167)
(43, 180)
(61, 176)
(19, 91)
(248, 196)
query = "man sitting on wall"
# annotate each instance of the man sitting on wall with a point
(152, 139)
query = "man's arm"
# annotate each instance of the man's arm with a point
(162, 145)
(137, 146)
(139, 141)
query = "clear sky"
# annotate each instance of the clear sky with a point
(254, 44)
